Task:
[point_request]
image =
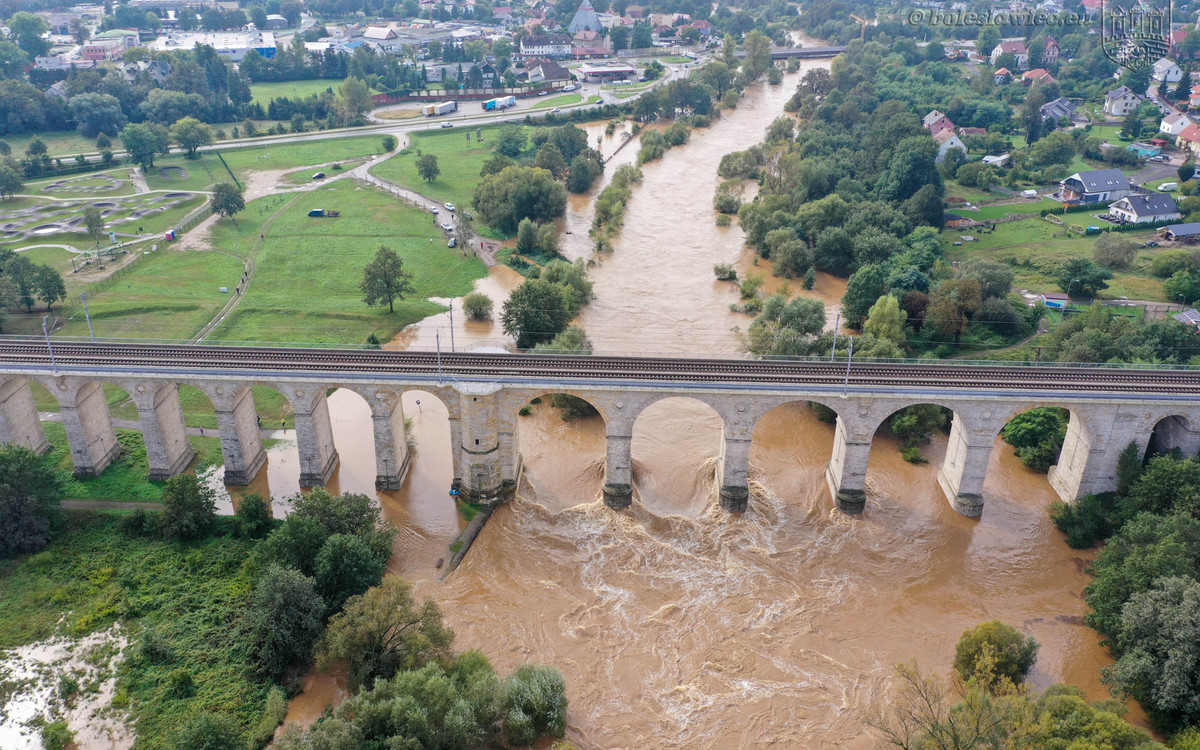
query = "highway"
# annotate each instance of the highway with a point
(476, 366)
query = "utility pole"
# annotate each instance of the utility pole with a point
(849, 357)
(86, 314)
(46, 330)
(437, 337)
(837, 323)
(451, 326)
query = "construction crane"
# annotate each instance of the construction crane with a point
(863, 34)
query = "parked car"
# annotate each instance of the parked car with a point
(453, 242)
(555, 111)
(542, 93)
(1168, 187)
(1159, 158)
(449, 206)
(447, 226)
(433, 210)
(319, 176)
(447, 125)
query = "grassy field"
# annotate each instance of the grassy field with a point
(458, 159)
(165, 295)
(190, 596)
(1007, 209)
(263, 93)
(1035, 249)
(57, 142)
(309, 269)
(203, 172)
(559, 101)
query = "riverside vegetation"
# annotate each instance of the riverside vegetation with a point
(227, 613)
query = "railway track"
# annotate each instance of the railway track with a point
(260, 360)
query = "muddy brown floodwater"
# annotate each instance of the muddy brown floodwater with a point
(676, 624)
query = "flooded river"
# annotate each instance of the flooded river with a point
(676, 624)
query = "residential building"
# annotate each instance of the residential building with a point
(1145, 150)
(1058, 109)
(1121, 101)
(105, 49)
(1051, 51)
(998, 160)
(585, 19)
(1095, 186)
(545, 71)
(1015, 47)
(1189, 139)
(1167, 70)
(546, 45)
(1037, 75)
(946, 140)
(1173, 124)
(1145, 208)
(933, 116)
(1002, 76)
(157, 70)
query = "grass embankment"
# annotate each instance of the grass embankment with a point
(203, 172)
(1035, 249)
(306, 285)
(198, 411)
(125, 478)
(190, 596)
(459, 160)
(559, 101)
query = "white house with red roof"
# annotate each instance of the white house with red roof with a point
(1014, 47)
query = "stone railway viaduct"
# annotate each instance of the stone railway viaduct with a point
(483, 393)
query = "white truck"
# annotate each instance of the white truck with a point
(439, 108)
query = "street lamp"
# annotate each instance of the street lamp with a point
(1068, 302)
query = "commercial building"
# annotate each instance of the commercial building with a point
(232, 45)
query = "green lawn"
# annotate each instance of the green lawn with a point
(263, 93)
(305, 287)
(1035, 249)
(90, 184)
(189, 595)
(999, 211)
(206, 170)
(459, 160)
(167, 295)
(58, 142)
(559, 101)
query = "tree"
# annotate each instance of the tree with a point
(206, 730)
(834, 252)
(1007, 653)
(189, 508)
(642, 36)
(1038, 436)
(354, 98)
(1159, 665)
(619, 36)
(1112, 250)
(1131, 127)
(10, 182)
(535, 312)
(534, 704)
(989, 37)
(12, 60)
(427, 167)
(49, 285)
(583, 174)
(283, 619)
(951, 306)
(28, 30)
(385, 280)
(346, 566)
(295, 544)
(96, 113)
(384, 631)
(144, 141)
(29, 501)
(862, 291)
(389, 143)
(93, 222)
(255, 515)
(995, 279)
(757, 47)
(572, 340)
(511, 141)
(191, 135)
(1186, 170)
(527, 237)
(514, 193)
(227, 199)
(477, 306)
(885, 320)
(1083, 277)
(551, 159)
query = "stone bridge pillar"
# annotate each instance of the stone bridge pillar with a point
(241, 441)
(1096, 435)
(88, 425)
(19, 421)
(618, 463)
(965, 468)
(314, 435)
(739, 421)
(168, 450)
(487, 450)
(847, 472)
(391, 441)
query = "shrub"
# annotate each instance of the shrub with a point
(534, 704)
(525, 410)
(179, 683)
(29, 501)
(477, 306)
(724, 220)
(255, 514)
(56, 735)
(750, 286)
(189, 508)
(1085, 522)
(208, 731)
(346, 566)
(139, 523)
(725, 272)
(1167, 263)
(283, 620)
(993, 652)
(389, 143)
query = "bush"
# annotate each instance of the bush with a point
(1168, 262)
(725, 272)
(534, 704)
(209, 731)
(255, 514)
(139, 523)
(1038, 436)
(724, 220)
(477, 306)
(750, 286)
(389, 143)
(29, 501)
(1113, 251)
(56, 735)
(525, 410)
(346, 566)
(993, 652)
(1085, 522)
(283, 620)
(189, 508)
(179, 683)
